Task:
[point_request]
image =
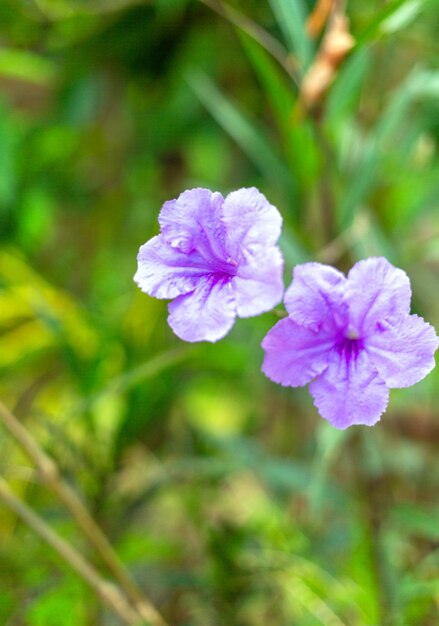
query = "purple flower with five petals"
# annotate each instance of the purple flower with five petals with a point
(216, 259)
(351, 337)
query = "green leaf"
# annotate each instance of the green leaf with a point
(402, 17)
(244, 132)
(151, 368)
(298, 138)
(291, 17)
(26, 65)
(8, 161)
(374, 30)
(416, 521)
(345, 92)
(278, 89)
(420, 84)
(415, 589)
(58, 606)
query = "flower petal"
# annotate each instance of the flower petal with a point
(315, 297)
(404, 354)
(350, 392)
(165, 272)
(377, 292)
(249, 220)
(294, 355)
(206, 314)
(258, 284)
(193, 221)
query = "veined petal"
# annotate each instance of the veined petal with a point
(294, 355)
(258, 284)
(205, 314)
(377, 292)
(315, 297)
(165, 272)
(350, 391)
(404, 354)
(193, 221)
(249, 220)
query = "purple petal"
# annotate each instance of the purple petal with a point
(258, 284)
(350, 392)
(206, 314)
(404, 354)
(377, 292)
(249, 219)
(164, 272)
(193, 221)
(294, 355)
(315, 297)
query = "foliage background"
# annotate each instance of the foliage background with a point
(227, 497)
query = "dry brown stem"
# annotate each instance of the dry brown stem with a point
(51, 476)
(109, 593)
(335, 46)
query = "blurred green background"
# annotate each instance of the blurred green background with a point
(228, 498)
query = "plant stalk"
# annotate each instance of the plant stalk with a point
(108, 592)
(51, 476)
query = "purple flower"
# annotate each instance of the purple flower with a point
(351, 337)
(216, 258)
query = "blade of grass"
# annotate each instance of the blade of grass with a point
(403, 17)
(291, 17)
(300, 147)
(242, 130)
(329, 441)
(420, 84)
(130, 379)
(277, 88)
(377, 28)
(258, 34)
(345, 92)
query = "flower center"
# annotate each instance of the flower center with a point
(227, 267)
(352, 333)
(350, 344)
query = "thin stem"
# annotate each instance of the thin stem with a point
(108, 592)
(50, 474)
(279, 313)
(373, 501)
(327, 208)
